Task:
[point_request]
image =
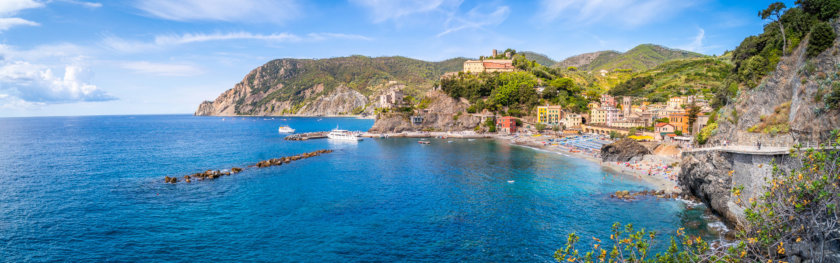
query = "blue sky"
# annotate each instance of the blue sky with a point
(80, 57)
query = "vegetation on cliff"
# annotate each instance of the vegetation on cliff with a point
(796, 219)
(297, 79)
(698, 76)
(639, 58)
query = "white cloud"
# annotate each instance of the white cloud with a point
(162, 69)
(625, 13)
(6, 23)
(85, 4)
(476, 18)
(274, 11)
(163, 41)
(382, 10)
(37, 84)
(11, 7)
(697, 44)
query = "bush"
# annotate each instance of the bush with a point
(822, 37)
(705, 133)
(491, 125)
(799, 209)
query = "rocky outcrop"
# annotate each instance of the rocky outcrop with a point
(324, 87)
(341, 101)
(442, 114)
(624, 150)
(797, 79)
(711, 175)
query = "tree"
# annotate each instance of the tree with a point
(774, 12)
(822, 37)
(693, 111)
(540, 126)
(822, 9)
(678, 132)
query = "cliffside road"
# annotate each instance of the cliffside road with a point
(744, 149)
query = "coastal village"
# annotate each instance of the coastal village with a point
(665, 128)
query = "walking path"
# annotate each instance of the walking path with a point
(745, 149)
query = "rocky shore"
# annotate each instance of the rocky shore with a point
(211, 174)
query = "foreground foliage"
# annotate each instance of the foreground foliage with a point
(795, 218)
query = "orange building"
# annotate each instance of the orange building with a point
(680, 121)
(506, 124)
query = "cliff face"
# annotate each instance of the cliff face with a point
(796, 80)
(440, 115)
(711, 175)
(334, 86)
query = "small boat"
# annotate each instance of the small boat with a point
(343, 135)
(470, 140)
(423, 142)
(285, 129)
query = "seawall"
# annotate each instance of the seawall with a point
(711, 174)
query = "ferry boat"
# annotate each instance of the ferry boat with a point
(285, 129)
(343, 135)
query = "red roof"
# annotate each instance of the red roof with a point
(498, 65)
(661, 124)
(672, 135)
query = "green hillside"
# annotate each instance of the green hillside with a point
(361, 73)
(640, 58)
(539, 58)
(696, 76)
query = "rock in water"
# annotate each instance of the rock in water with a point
(624, 150)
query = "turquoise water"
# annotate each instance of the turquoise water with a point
(91, 189)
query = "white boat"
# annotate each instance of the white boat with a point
(285, 129)
(343, 135)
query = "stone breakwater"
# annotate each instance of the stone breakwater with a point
(211, 174)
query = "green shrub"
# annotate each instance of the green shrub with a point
(797, 209)
(706, 132)
(822, 37)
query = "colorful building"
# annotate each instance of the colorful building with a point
(680, 121)
(506, 124)
(551, 115)
(604, 115)
(607, 100)
(488, 65)
(571, 120)
(663, 129)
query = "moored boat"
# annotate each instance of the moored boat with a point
(285, 129)
(343, 135)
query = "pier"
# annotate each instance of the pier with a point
(306, 136)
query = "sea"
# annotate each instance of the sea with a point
(91, 189)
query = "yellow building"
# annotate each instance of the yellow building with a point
(488, 65)
(549, 114)
(473, 66)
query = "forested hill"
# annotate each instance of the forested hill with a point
(640, 58)
(333, 86)
(539, 58)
